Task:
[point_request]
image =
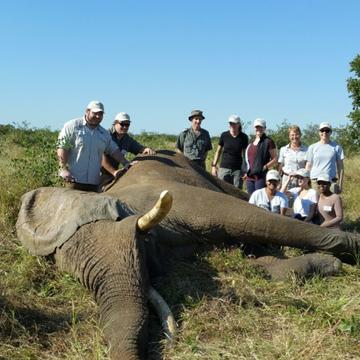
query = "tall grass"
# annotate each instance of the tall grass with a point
(225, 309)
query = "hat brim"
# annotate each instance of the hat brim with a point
(273, 178)
(97, 110)
(191, 117)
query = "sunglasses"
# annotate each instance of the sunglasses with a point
(322, 183)
(124, 124)
(325, 130)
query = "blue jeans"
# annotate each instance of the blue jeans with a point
(251, 185)
(233, 177)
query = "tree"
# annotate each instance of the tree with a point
(353, 87)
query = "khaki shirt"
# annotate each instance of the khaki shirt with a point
(192, 146)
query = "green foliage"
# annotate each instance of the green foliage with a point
(349, 136)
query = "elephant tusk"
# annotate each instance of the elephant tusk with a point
(166, 317)
(157, 213)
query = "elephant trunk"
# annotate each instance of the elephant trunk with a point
(109, 259)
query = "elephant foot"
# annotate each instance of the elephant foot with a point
(303, 266)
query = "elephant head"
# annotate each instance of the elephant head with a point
(107, 242)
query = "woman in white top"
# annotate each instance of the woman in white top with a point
(305, 198)
(292, 156)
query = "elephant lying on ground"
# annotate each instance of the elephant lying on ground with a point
(108, 243)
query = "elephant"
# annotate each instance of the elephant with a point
(115, 240)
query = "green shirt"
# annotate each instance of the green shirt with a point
(192, 146)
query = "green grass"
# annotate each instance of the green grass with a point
(225, 309)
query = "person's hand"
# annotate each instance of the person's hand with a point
(65, 174)
(214, 171)
(149, 151)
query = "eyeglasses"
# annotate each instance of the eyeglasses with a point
(124, 124)
(325, 130)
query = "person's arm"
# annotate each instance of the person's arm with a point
(338, 214)
(215, 161)
(179, 146)
(64, 172)
(311, 213)
(284, 206)
(106, 164)
(119, 157)
(285, 184)
(340, 171)
(308, 166)
(273, 158)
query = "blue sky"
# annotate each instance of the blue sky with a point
(158, 60)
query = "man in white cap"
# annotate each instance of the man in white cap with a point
(119, 134)
(268, 197)
(326, 157)
(232, 145)
(195, 142)
(81, 146)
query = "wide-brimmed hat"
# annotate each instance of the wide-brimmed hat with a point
(122, 116)
(234, 119)
(198, 113)
(95, 106)
(273, 175)
(324, 177)
(303, 173)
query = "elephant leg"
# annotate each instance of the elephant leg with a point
(108, 259)
(219, 216)
(302, 266)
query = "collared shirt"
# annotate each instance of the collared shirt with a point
(86, 147)
(323, 158)
(192, 146)
(292, 160)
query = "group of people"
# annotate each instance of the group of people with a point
(308, 178)
(89, 157)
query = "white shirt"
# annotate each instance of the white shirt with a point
(86, 147)
(323, 158)
(260, 199)
(302, 205)
(292, 160)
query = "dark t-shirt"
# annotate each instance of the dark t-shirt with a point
(126, 144)
(232, 150)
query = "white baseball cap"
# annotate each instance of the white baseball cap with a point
(303, 173)
(234, 119)
(260, 122)
(324, 177)
(325, 125)
(95, 106)
(273, 175)
(122, 116)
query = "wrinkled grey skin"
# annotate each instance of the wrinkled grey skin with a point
(111, 258)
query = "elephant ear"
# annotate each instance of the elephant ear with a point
(50, 216)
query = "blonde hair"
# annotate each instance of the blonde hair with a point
(294, 128)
